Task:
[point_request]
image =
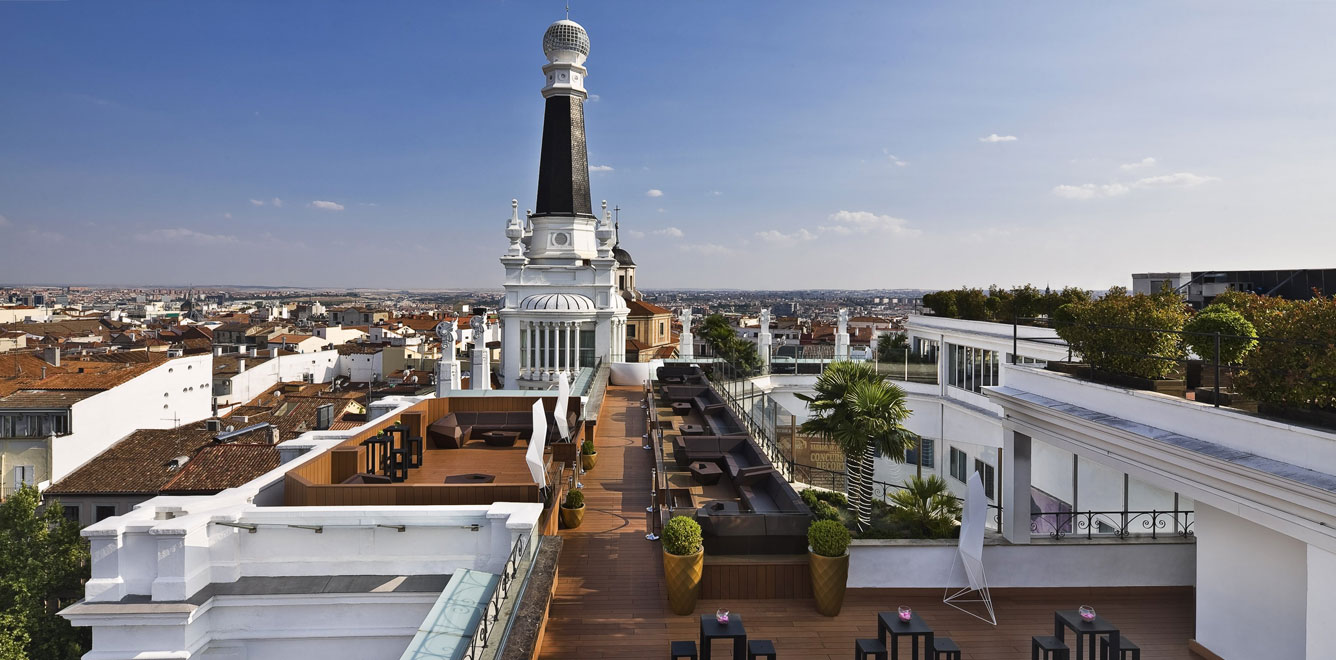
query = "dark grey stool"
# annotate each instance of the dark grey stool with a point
(761, 648)
(1125, 648)
(685, 649)
(945, 649)
(869, 647)
(1052, 647)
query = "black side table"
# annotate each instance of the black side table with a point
(712, 630)
(889, 622)
(1092, 629)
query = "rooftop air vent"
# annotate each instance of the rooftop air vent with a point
(177, 462)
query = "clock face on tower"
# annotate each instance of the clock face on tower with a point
(560, 239)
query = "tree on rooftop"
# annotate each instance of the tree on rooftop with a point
(43, 562)
(864, 414)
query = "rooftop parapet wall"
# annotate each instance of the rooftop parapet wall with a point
(1298, 445)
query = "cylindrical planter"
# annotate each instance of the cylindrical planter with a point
(589, 460)
(681, 575)
(830, 575)
(572, 518)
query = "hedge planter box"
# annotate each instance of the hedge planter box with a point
(1172, 386)
(830, 577)
(1325, 419)
(1227, 398)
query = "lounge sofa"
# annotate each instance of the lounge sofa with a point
(457, 428)
(680, 374)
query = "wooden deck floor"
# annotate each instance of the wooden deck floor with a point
(610, 600)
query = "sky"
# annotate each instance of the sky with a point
(748, 145)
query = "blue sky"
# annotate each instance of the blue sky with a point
(791, 144)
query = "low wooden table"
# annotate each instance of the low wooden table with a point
(474, 478)
(890, 623)
(721, 506)
(681, 408)
(705, 473)
(1093, 629)
(711, 630)
(691, 429)
(501, 438)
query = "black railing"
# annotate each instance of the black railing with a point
(1115, 524)
(478, 642)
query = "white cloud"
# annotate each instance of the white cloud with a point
(895, 160)
(1175, 180)
(227, 215)
(600, 168)
(257, 202)
(4, 222)
(661, 210)
(44, 236)
(654, 192)
(863, 222)
(1102, 191)
(710, 249)
(183, 235)
(999, 138)
(326, 206)
(776, 236)
(635, 233)
(594, 98)
(1091, 191)
(1148, 161)
(276, 202)
(716, 193)
(670, 232)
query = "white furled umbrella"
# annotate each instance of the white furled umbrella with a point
(537, 443)
(563, 403)
(969, 555)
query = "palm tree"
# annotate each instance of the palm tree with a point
(927, 506)
(863, 413)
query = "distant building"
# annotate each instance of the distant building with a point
(1200, 287)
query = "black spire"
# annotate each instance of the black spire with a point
(563, 169)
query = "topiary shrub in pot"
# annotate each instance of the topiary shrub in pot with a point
(573, 509)
(828, 563)
(683, 563)
(1237, 337)
(588, 455)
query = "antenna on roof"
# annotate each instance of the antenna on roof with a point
(568, 11)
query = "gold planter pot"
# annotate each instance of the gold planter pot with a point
(681, 575)
(588, 461)
(830, 576)
(572, 518)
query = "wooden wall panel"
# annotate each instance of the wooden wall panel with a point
(756, 577)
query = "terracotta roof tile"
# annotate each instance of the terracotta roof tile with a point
(218, 467)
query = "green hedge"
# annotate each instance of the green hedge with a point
(1102, 332)
(1294, 363)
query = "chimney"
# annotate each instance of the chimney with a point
(52, 355)
(273, 352)
(273, 434)
(253, 352)
(241, 365)
(217, 350)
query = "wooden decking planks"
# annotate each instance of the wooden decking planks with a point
(610, 600)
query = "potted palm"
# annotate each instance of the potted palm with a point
(588, 456)
(683, 562)
(863, 413)
(573, 509)
(927, 507)
(828, 563)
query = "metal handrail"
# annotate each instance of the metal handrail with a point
(1122, 522)
(482, 635)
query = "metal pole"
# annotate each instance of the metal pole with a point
(1015, 337)
(1217, 370)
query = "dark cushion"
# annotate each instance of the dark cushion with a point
(493, 419)
(750, 475)
(787, 524)
(364, 478)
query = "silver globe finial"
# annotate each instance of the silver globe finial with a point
(566, 41)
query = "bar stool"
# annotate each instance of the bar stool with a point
(1125, 648)
(945, 649)
(685, 649)
(398, 467)
(869, 647)
(761, 648)
(1052, 647)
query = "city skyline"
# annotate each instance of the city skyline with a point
(884, 147)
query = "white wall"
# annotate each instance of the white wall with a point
(1321, 600)
(256, 379)
(362, 367)
(1248, 573)
(338, 334)
(923, 564)
(179, 391)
